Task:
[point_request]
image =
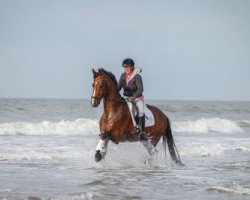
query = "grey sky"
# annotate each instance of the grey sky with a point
(190, 50)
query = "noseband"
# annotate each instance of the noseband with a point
(97, 98)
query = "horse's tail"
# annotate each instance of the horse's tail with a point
(168, 137)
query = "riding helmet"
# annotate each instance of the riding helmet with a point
(128, 61)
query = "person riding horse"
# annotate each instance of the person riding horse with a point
(132, 85)
(115, 123)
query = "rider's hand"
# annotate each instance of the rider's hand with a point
(130, 99)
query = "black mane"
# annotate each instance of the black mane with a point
(110, 75)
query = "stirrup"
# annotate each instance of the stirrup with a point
(136, 129)
(143, 136)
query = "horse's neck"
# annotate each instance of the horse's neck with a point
(112, 99)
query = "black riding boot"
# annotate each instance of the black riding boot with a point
(141, 124)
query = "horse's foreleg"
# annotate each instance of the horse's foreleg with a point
(101, 149)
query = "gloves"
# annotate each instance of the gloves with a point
(130, 99)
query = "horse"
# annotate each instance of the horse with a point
(116, 122)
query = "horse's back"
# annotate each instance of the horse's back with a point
(155, 110)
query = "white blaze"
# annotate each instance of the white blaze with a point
(93, 95)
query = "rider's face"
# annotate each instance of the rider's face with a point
(128, 69)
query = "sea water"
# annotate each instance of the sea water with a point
(47, 149)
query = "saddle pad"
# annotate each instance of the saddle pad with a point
(149, 117)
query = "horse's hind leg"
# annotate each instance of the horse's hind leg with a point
(101, 149)
(149, 146)
(151, 150)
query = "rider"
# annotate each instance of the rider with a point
(132, 85)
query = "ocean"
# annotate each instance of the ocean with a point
(47, 149)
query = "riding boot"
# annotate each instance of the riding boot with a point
(141, 124)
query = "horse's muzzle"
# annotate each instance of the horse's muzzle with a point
(95, 101)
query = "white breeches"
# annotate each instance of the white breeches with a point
(140, 106)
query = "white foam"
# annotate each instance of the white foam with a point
(236, 190)
(85, 126)
(244, 123)
(204, 150)
(205, 125)
(86, 196)
(52, 153)
(79, 126)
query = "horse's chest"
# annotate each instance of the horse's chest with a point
(110, 121)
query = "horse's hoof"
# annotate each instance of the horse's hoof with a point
(98, 156)
(179, 163)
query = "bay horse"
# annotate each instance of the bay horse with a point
(116, 122)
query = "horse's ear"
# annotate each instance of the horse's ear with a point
(100, 70)
(95, 73)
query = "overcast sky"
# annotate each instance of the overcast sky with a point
(188, 50)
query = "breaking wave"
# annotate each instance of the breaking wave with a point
(234, 190)
(77, 127)
(84, 126)
(244, 123)
(205, 125)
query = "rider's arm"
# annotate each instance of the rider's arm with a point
(139, 84)
(120, 82)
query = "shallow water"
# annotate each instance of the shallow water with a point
(47, 153)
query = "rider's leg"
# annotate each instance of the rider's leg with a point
(140, 105)
(130, 106)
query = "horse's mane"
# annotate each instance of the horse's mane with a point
(110, 75)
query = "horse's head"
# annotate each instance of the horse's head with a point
(99, 88)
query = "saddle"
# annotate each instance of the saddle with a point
(149, 117)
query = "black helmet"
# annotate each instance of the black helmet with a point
(128, 61)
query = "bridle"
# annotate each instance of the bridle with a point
(98, 98)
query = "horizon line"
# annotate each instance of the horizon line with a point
(150, 99)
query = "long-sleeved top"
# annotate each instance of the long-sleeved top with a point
(132, 87)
